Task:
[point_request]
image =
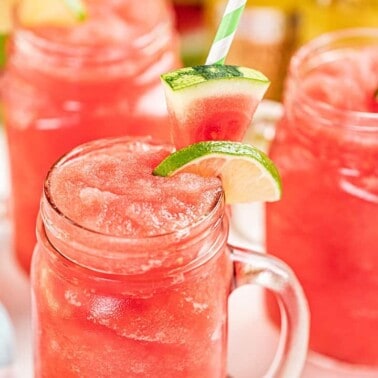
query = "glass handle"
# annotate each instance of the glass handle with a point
(256, 268)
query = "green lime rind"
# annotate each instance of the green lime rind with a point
(189, 154)
(192, 76)
(77, 8)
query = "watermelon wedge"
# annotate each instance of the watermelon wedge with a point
(214, 102)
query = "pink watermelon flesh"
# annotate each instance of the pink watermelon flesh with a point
(214, 118)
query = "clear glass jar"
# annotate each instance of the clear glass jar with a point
(65, 86)
(107, 305)
(326, 149)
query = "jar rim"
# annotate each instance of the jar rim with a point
(99, 144)
(123, 38)
(178, 251)
(318, 46)
(149, 43)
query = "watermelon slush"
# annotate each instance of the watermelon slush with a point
(325, 226)
(63, 87)
(149, 315)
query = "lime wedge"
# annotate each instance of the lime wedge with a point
(247, 174)
(51, 12)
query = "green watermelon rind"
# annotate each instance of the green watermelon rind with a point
(188, 77)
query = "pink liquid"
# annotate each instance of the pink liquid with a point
(141, 312)
(63, 87)
(325, 226)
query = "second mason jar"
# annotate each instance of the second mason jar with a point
(65, 86)
(326, 149)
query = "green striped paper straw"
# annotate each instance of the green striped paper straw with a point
(226, 31)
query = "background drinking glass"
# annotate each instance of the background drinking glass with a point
(65, 86)
(326, 149)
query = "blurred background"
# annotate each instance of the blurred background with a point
(269, 33)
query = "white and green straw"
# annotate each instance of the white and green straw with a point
(226, 31)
